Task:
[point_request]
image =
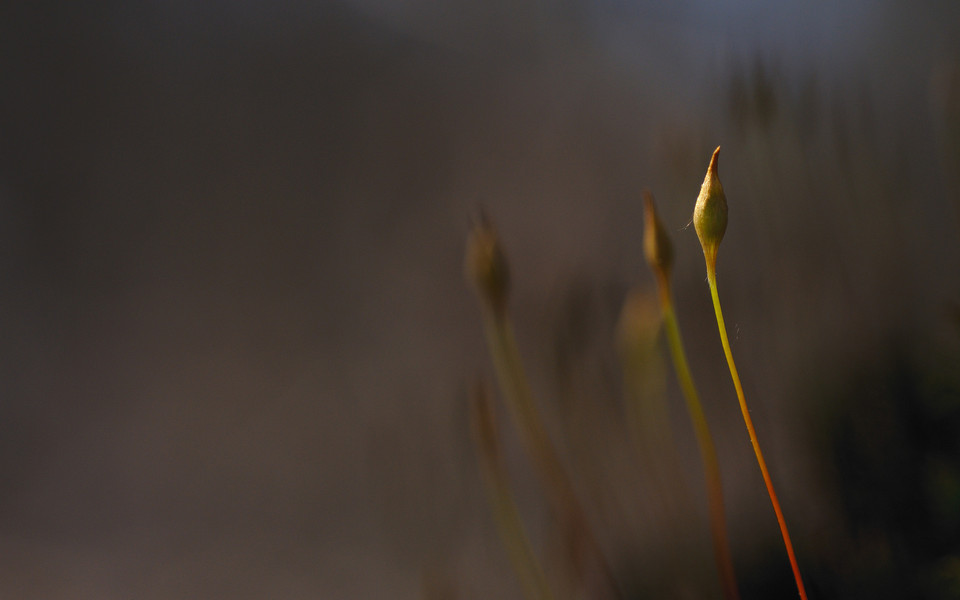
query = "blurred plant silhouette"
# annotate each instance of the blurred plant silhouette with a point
(887, 438)
(238, 354)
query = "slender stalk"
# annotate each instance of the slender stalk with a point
(514, 538)
(504, 507)
(710, 221)
(519, 399)
(712, 279)
(487, 269)
(516, 391)
(659, 254)
(718, 525)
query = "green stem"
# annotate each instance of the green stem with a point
(515, 540)
(712, 279)
(505, 511)
(519, 399)
(721, 545)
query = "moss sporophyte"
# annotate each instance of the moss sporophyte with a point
(659, 253)
(500, 497)
(710, 213)
(487, 269)
(710, 221)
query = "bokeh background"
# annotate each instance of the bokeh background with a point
(236, 342)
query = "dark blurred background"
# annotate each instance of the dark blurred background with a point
(236, 341)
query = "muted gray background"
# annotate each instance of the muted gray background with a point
(235, 339)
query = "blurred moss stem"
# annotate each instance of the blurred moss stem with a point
(505, 512)
(659, 254)
(710, 221)
(516, 390)
(647, 412)
(711, 468)
(487, 269)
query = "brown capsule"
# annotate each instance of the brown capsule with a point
(656, 242)
(710, 213)
(486, 266)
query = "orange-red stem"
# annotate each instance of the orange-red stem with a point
(712, 279)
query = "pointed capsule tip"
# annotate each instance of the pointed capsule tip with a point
(656, 242)
(648, 201)
(713, 161)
